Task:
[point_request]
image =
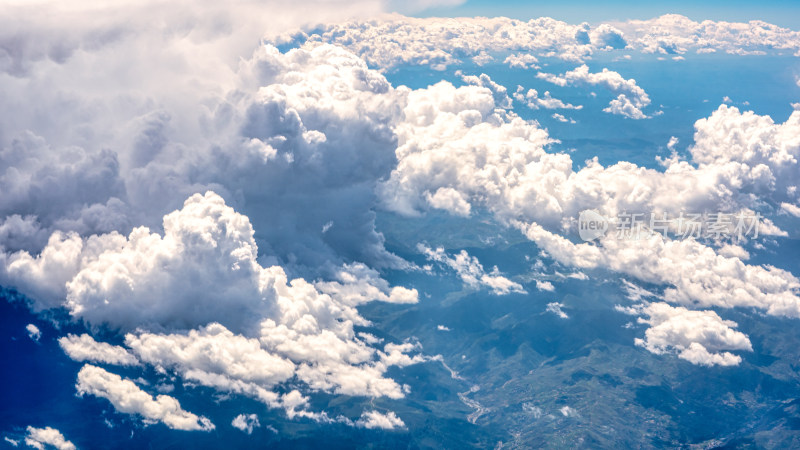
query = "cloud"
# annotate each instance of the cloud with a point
(213, 356)
(40, 437)
(533, 101)
(555, 308)
(246, 422)
(606, 36)
(33, 332)
(85, 348)
(440, 42)
(130, 399)
(392, 41)
(376, 419)
(196, 302)
(568, 411)
(562, 119)
(259, 123)
(452, 141)
(522, 61)
(672, 34)
(631, 99)
(356, 284)
(545, 286)
(471, 272)
(699, 337)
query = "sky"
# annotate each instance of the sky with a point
(780, 12)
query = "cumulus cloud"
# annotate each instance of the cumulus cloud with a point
(521, 60)
(376, 419)
(128, 398)
(630, 101)
(85, 348)
(496, 161)
(246, 422)
(259, 124)
(439, 42)
(33, 332)
(395, 40)
(534, 101)
(606, 36)
(673, 34)
(196, 302)
(355, 284)
(40, 438)
(700, 337)
(471, 271)
(555, 308)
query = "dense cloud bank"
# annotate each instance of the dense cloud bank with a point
(214, 205)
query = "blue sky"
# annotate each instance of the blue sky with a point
(781, 12)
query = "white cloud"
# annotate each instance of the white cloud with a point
(555, 308)
(568, 411)
(33, 332)
(356, 284)
(623, 106)
(676, 34)
(545, 286)
(438, 42)
(442, 328)
(85, 348)
(522, 61)
(791, 209)
(376, 419)
(606, 36)
(630, 101)
(562, 119)
(471, 271)
(700, 337)
(40, 438)
(673, 141)
(213, 356)
(498, 162)
(130, 399)
(259, 123)
(246, 422)
(267, 331)
(533, 101)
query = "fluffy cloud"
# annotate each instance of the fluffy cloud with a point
(395, 40)
(253, 126)
(521, 60)
(629, 103)
(376, 419)
(676, 34)
(246, 422)
(85, 348)
(534, 101)
(39, 438)
(471, 271)
(235, 326)
(33, 332)
(555, 308)
(699, 337)
(130, 399)
(439, 42)
(213, 356)
(454, 139)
